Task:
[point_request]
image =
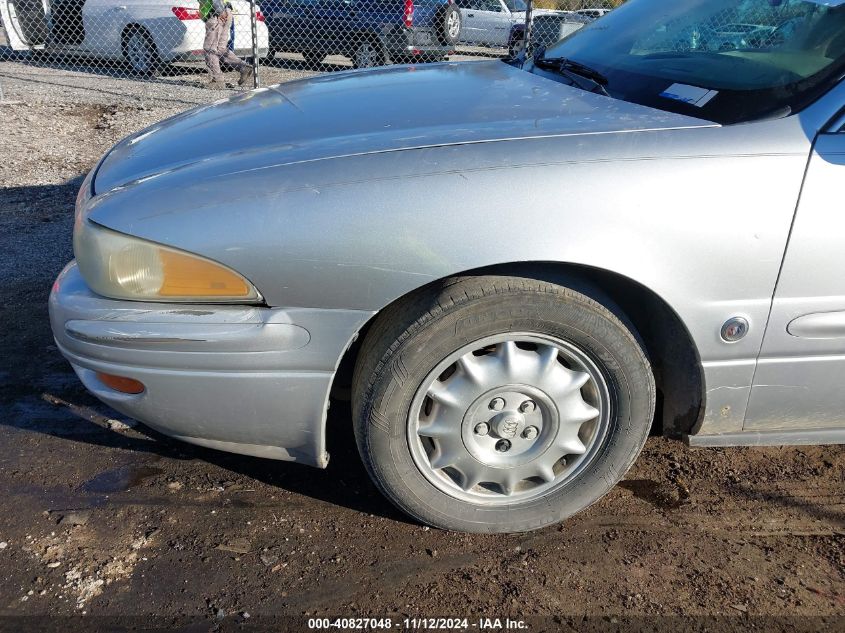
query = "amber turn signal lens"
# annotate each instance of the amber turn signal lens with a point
(120, 383)
(187, 276)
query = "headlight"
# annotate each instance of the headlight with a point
(123, 267)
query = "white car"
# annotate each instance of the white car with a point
(144, 33)
(497, 22)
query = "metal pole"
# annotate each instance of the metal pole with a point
(529, 10)
(253, 20)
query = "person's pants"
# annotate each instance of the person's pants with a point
(216, 47)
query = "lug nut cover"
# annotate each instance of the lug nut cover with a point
(530, 432)
(497, 404)
(527, 407)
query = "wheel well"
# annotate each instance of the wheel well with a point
(671, 350)
(366, 36)
(132, 27)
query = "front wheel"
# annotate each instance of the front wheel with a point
(140, 52)
(499, 404)
(367, 54)
(449, 31)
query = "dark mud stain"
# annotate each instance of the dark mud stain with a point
(665, 495)
(120, 479)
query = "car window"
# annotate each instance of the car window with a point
(516, 5)
(491, 5)
(745, 59)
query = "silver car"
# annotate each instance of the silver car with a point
(622, 239)
(489, 22)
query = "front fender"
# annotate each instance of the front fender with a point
(689, 214)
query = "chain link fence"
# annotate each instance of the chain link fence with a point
(166, 40)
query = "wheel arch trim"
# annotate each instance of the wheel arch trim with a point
(678, 368)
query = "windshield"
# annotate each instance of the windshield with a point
(724, 60)
(516, 5)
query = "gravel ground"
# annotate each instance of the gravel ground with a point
(100, 518)
(91, 82)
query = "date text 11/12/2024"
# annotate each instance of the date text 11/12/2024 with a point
(444, 624)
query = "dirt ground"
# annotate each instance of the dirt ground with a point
(100, 518)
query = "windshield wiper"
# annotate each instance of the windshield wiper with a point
(576, 72)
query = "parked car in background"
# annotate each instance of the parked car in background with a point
(716, 37)
(146, 34)
(547, 28)
(489, 22)
(369, 32)
(784, 31)
(497, 23)
(729, 37)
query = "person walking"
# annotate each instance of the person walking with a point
(218, 18)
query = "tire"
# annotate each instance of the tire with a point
(430, 454)
(367, 54)
(449, 26)
(140, 52)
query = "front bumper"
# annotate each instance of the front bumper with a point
(244, 379)
(407, 44)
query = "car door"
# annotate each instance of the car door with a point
(26, 23)
(291, 24)
(485, 22)
(324, 25)
(493, 21)
(469, 30)
(104, 21)
(283, 17)
(800, 378)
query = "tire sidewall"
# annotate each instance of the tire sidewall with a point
(601, 336)
(444, 36)
(377, 58)
(153, 59)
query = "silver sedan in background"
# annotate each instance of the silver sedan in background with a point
(623, 237)
(489, 22)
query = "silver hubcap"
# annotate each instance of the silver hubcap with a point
(453, 24)
(365, 56)
(138, 52)
(508, 418)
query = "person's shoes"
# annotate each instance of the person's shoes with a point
(246, 75)
(217, 85)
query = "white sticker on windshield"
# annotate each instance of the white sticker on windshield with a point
(693, 95)
(828, 3)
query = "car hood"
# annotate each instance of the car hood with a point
(369, 111)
